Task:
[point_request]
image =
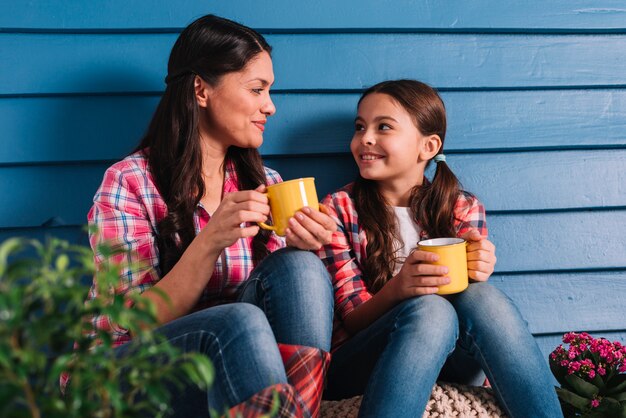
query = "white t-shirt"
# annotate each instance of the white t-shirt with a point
(409, 233)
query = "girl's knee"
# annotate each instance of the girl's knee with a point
(430, 312)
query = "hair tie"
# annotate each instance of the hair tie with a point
(183, 72)
(439, 158)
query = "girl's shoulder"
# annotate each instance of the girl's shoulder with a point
(341, 197)
(272, 176)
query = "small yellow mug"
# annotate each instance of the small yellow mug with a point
(452, 254)
(286, 199)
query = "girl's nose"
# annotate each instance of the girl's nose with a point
(367, 139)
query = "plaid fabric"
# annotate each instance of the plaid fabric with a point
(344, 256)
(282, 395)
(306, 368)
(127, 209)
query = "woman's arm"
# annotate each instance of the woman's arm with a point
(184, 284)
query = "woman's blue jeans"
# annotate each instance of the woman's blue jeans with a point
(396, 361)
(288, 299)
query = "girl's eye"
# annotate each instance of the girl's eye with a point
(384, 127)
(359, 127)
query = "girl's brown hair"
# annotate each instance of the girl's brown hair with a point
(432, 203)
(210, 47)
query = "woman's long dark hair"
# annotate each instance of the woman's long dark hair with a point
(209, 47)
(432, 204)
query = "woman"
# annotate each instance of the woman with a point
(186, 203)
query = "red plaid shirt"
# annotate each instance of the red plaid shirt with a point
(344, 256)
(127, 209)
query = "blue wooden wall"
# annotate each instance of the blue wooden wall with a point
(535, 92)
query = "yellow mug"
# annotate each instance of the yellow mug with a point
(286, 199)
(452, 254)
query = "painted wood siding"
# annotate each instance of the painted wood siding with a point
(535, 93)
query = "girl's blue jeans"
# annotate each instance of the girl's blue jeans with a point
(288, 299)
(396, 361)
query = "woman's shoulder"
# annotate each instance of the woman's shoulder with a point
(131, 172)
(136, 162)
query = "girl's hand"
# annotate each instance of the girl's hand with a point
(310, 229)
(481, 256)
(225, 226)
(417, 277)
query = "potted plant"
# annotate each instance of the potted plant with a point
(592, 374)
(43, 333)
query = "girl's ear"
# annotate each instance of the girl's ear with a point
(201, 89)
(430, 147)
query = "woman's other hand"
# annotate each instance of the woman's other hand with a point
(481, 256)
(310, 229)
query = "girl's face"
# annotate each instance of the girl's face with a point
(234, 111)
(387, 146)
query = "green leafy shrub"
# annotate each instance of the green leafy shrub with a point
(44, 332)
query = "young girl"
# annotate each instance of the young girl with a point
(393, 336)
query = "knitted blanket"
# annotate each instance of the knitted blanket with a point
(446, 400)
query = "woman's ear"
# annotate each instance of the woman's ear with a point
(201, 89)
(430, 147)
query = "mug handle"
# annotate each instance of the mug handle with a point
(265, 226)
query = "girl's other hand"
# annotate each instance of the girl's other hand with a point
(310, 229)
(417, 277)
(481, 256)
(225, 226)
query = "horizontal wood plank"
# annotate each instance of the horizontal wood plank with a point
(503, 182)
(558, 303)
(322, 14)
(525, 241)
(106, 63)
(557, 241)
(86, 128)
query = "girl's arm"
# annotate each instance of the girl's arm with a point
(416, 278)
(471, 225)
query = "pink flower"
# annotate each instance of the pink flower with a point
(564, 363)
(592, 374)
(601, 370)
(595, 403)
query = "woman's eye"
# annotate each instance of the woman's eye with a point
(257, 91)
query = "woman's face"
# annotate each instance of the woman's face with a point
(234, 111)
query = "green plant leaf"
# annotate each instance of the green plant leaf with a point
(617, 384)
(581, 386)
(573, 399)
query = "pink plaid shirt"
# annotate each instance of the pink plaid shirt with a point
(127, 209)
(347, 251)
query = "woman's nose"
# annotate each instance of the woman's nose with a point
(268, 108)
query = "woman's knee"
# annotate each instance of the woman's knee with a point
(298, 268)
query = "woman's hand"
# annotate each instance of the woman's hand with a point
(310, 229)
(481, 256)
(225, 226)
(417, 277)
